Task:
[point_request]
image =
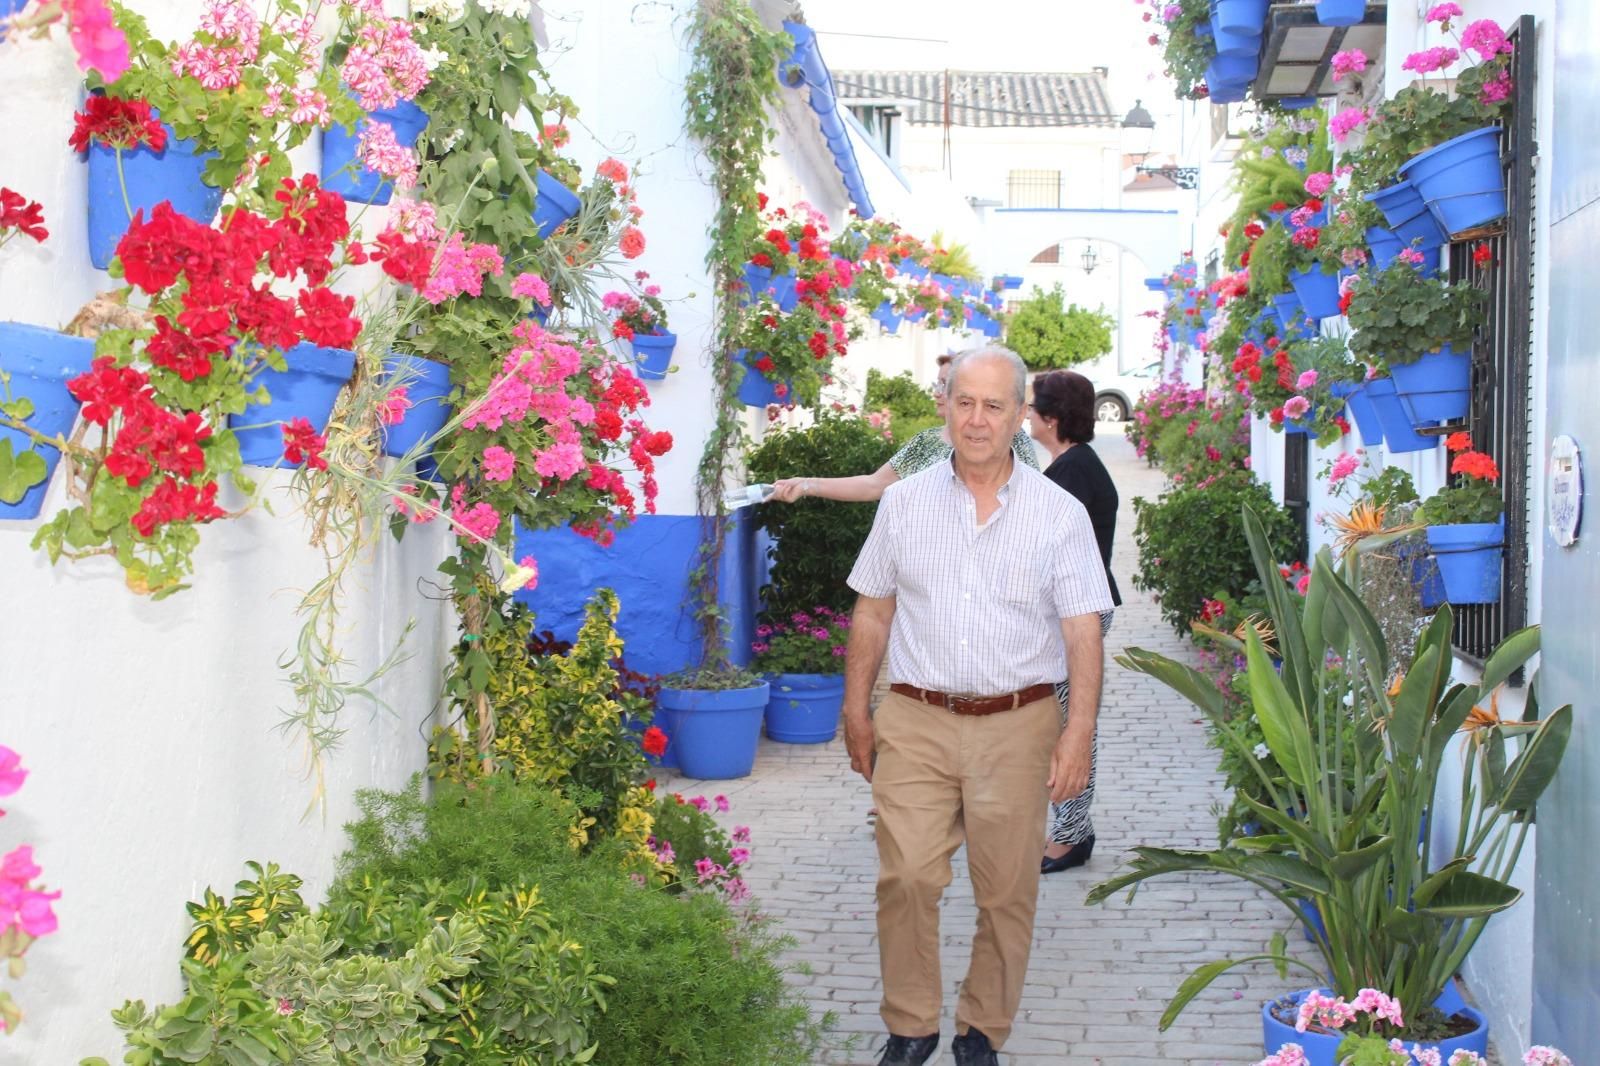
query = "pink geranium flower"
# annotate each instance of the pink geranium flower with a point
(1350, 61)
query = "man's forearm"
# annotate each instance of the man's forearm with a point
(869, 637)
(1085, 671)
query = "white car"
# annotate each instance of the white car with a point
(1115, 394)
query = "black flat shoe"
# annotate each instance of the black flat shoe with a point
(908, 1050)
(1076, 856)
(972, 1048)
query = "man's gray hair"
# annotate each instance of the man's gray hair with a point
(997, 352)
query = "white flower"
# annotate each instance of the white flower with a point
(510, 8)
(1350, 698)
(1262, 751)
(432, 57)
(449, 10)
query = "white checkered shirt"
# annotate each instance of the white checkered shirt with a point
(978, 611)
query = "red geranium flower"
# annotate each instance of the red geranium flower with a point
(19, 213)
(654, 742)
(116, 124)
(1482, 254)
(302, 444)
(1459, 441)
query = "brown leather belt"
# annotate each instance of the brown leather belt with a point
(975, 704)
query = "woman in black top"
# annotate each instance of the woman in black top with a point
(1061, 418)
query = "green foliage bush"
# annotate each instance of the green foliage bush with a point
(817, 540)
(1192, 546)
(910, 406)
(1049, 334)
(697, 984)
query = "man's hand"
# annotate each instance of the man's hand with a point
(861, 742)
(1069, 765)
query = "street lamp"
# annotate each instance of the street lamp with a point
(1090, 258)
(1138, 126)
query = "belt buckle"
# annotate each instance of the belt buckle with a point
(950, 702)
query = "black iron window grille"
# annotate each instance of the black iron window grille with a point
(1499, 418)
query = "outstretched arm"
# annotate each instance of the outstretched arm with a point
(858, 489)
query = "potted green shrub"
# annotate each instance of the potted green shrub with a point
(1397, 917)
(802, 657)
(1421, 329)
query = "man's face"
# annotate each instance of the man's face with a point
(983, 413)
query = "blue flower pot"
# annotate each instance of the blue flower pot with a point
(755, 388)
(555, 203)
(342, 169)
(1318, 292)
(885, 316)
(804, 708)
(307, 389)
(757, 279)
(914, 270)
(714, 735)
(1436, 388)
(1461, 180)
(1468, 558)
(1233, 69)
(41, 362)
(652, 354)
(1361, 409)
(173, 174)
(1202, 28)
(1239, 16)
(783, 291)
(1320, 1047)
(1424, 575)
(1237, 45)
(1341, 12)
(427, 385)
(1398, 434)
(1408, 215)
(1290, 313)
(1311, 920)
(915, 314)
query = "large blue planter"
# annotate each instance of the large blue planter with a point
(1341, 12)
(40, 363)
(804, 708)
(342, 169)
(714, 735)
(427, 384)
(783, 291)
(1461, 180)
(652, 354)
(1239, 16)
(554, 205)
(1318, 292)
(913, 269)
(1359, 404)
(1468, 557)
(307, 389)
(1320, 1047)
(173, 174)
(1437, 387)
(885, 316)
(1398, 434)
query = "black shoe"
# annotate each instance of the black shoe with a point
(1076, 856)
(908, 1050)
(972, 1049)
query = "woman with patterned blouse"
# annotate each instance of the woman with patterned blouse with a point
(926, 449)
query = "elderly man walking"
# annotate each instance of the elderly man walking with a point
(983, 581)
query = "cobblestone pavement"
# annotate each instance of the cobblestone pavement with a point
(1099, 977)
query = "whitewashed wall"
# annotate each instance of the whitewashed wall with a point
(149, 727)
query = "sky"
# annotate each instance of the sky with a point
(1053, 35)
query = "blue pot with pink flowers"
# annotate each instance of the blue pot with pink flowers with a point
(427, 409)
(804, 708)
(1278, 1029)
(342, 169)
(1437, 387)
(1318, 292)
(1461, 180)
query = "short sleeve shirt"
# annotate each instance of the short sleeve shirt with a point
(978, 610)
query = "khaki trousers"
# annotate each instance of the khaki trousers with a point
(941, 778)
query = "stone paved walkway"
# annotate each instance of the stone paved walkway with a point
(1099, 977)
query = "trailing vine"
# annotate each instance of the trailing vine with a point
(732, 80)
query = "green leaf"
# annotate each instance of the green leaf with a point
(1287, 734)
(1438, 879)
(1413, 705)
(1348, 865)
(1537, 762)
(1469, 895)
(19, 472)
(1508, 657)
